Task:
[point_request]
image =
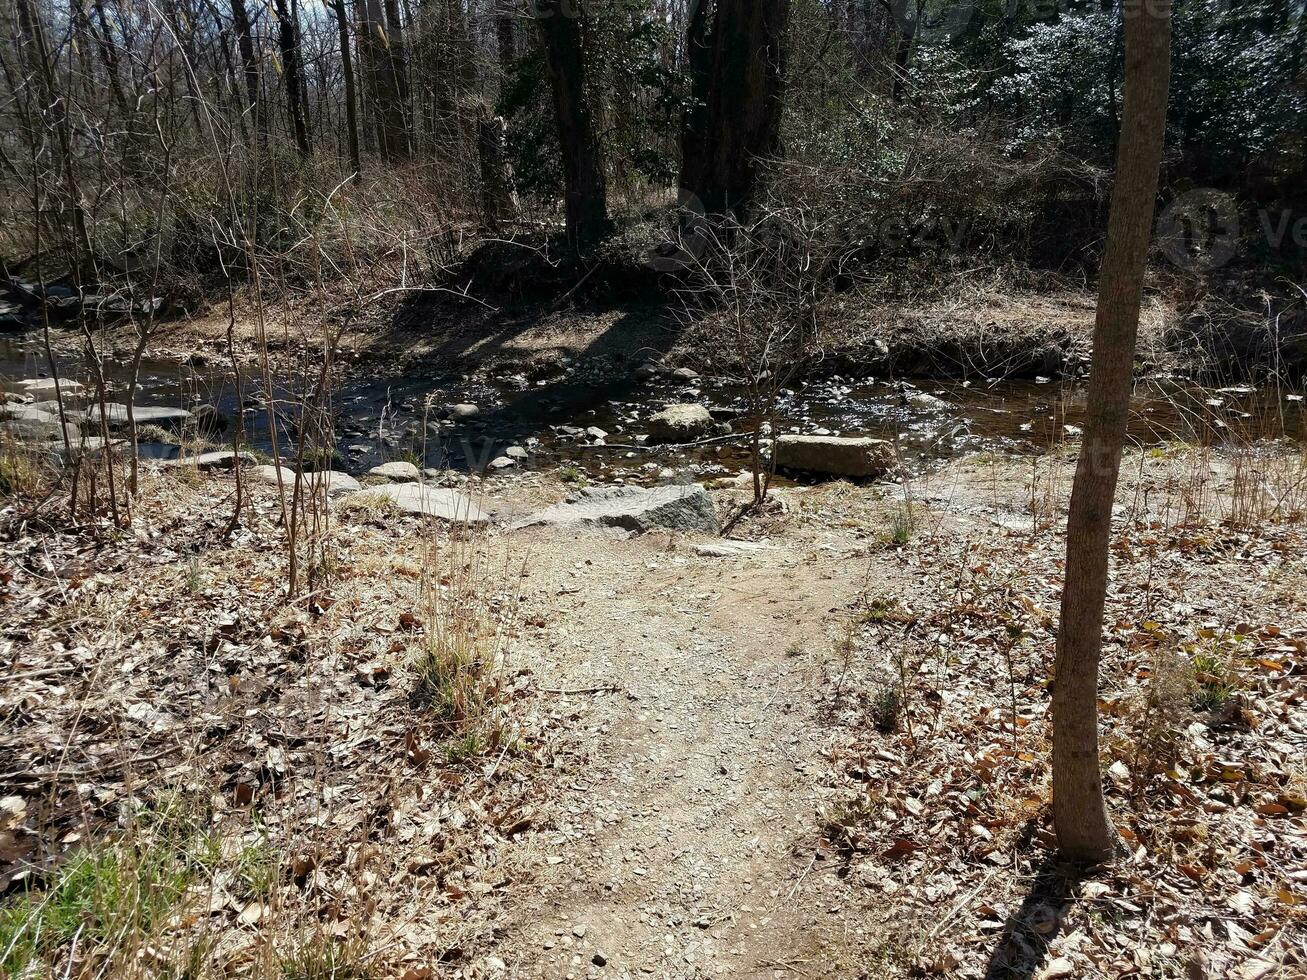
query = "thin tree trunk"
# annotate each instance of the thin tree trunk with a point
(585, 197)
(384, 86)
(1083, 830)
(240, 20)
(351, 95)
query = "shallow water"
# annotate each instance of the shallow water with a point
(381, 418)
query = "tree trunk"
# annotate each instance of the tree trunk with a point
(288, 40)
(584, 195)
(351, 96)
(735, 52)
(497, 201)
(240, 21)
(1084, 832)
(384, 88)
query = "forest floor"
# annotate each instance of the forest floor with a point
(825, 757)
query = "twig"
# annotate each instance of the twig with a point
(605, 689)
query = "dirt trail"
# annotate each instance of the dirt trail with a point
(686, 844)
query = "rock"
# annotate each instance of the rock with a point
(724, 413)
(685, 508)
(398, 471)
(268, 474)
(223, 460)
(337, 482)
(679, 423)
(517, 453)
(599, 959)
(855, 456)
(647, 372)
(685, 374)
(116, 412)
(596, 433)
(414, 498)
(28, 413)
(40, 430)
(208, 419)
(46, 387)
(464, 411)
(502, 463)
(731, 549)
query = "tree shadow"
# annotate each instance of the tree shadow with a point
(1023, 945)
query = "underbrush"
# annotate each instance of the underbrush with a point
(942, 807)
(211, 780)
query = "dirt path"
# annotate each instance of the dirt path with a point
(686, 843)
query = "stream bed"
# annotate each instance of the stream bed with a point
(593, 421)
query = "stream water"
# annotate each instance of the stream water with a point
(380, 418)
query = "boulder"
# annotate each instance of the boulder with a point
(633, 509)
(27, 413)
(336, 481)
(685, 374)
(502, 463)
(116, 412)
(464, 412)
(224, 459)
(679, 423)
(853, 456)
(414, 498)
(40, 430)
(398, 471)
(269, 474)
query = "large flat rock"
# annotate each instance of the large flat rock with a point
(224, 459)
(416, 498)
(333, 481)
(116, 412)
(45, 387)
(854, 456)
(680, 508)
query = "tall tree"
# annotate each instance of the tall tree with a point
(378, 46)
(244, 28)
(585, 200)
(347, 69)
(292, 67)
(736, 62)
(1084, 832)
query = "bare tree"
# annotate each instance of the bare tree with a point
(347, 69)
(1080, 816)
(288, 41)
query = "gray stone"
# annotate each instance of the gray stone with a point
(268, 474)
(28, 413)
(116, 412)
(40, 430)
(516, 452)
(337, 482)
(502, 463)
(224, 459)
(731, 549)
(679, 423)
(685, 374)
(594, 432)
(647, 372)
(46, 386)
(398, 471)
(464, 411)
(414, 498)
(633, 509)
(855, 456)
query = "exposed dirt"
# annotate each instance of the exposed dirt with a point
(685, 843)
